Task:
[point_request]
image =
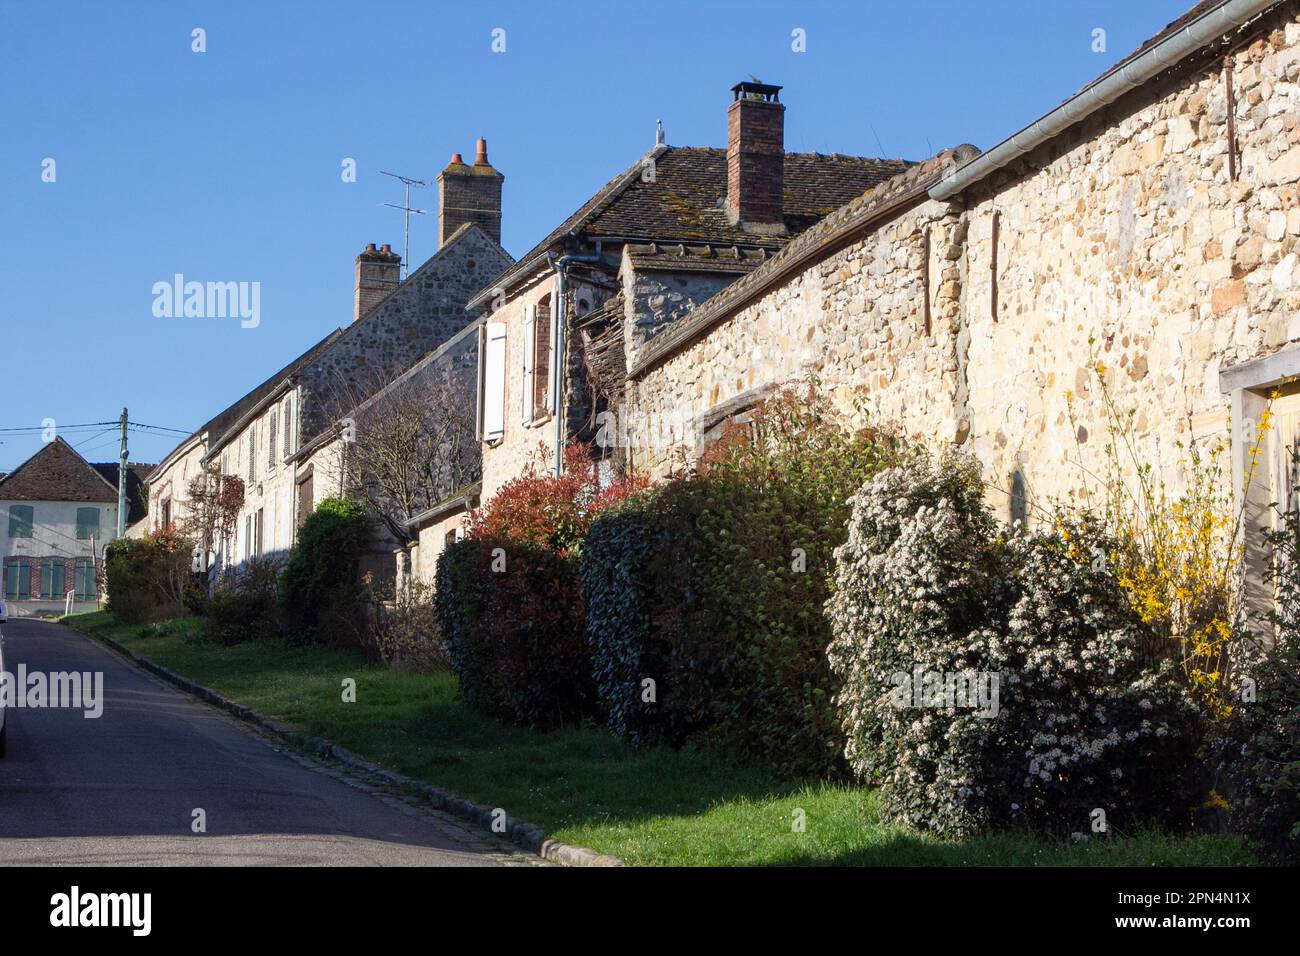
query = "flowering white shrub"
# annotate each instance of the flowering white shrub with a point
(927, 585)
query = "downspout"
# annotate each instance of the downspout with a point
(558, 338)
(1224, 18)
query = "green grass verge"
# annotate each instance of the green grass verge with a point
(654, 806)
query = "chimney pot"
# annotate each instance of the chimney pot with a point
(469, 194)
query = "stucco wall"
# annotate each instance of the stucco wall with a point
(532, 443)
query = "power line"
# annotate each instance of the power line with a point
(83, 441)
(14, 429)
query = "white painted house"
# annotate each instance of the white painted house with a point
(57, 511)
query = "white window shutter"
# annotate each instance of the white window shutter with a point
(530, 360)
(494, 382)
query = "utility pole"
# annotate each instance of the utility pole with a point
(121, 482)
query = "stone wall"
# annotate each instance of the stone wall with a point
(1123, 242)
(425, 311)
(654, 298)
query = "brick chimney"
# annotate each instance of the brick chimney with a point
(378, 273)
(469, 194)
(756, 157)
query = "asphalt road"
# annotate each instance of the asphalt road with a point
(122, 789)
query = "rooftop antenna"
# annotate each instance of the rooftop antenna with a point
(407, 209)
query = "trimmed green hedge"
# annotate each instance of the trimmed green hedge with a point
(713, 585)
(512, 621)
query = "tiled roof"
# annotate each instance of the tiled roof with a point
(56, 473)
(684, 201)
(847, 221)
(136, 475)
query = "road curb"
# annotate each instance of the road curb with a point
(527, 836)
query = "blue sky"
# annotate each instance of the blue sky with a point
(225, 165)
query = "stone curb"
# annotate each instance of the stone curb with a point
(528, 836)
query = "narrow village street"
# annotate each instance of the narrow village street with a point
(123, 788)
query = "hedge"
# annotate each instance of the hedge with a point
(712, 588)
(933, 601)
(319, 589)
(511, 619)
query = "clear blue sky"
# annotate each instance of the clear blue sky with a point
(225, 165)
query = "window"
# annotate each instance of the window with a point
(18, 580)
(52, 579)
(88, 523)
(20, 521)
(165, 513)
(257, 533)
(270, 439)
(252, 453)
(537, 355)
(541, 357)
(84, 580)
(492, 383)
(287, 424)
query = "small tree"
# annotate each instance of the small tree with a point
(319, 590)
(213, 507)
(410, 443)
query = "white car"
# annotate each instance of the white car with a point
(3, 729)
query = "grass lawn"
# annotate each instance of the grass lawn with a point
(582, 785)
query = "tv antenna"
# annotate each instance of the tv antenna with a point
(407, 210)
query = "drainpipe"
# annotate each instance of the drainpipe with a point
(558, 339)
(1224, 18)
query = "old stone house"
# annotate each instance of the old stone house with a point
(283, 438)
(57, 512)
(1150, 224)
(659, 239)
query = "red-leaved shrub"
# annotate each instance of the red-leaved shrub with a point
(507, 599)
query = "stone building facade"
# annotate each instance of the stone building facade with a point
(1159, 236)
(669, 232)
(282, 438)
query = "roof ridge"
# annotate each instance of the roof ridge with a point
(859, 209)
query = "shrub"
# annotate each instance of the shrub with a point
(248, 610)
(713, 587)
(545, 511)
(1260, 746)
(147, 579)
(507, 598)
(620, 591)
(319, 589)
(1174, 553)
(406, 634)
(512, 622)
(932, 601)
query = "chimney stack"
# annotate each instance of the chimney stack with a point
(756, 157)
(378, 273)
(469, 194)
